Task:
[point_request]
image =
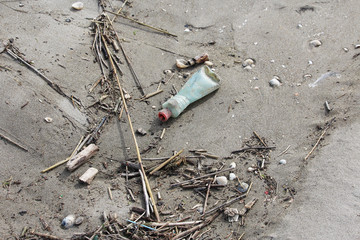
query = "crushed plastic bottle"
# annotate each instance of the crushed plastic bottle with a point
(199, 85)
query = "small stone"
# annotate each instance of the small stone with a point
(248, 68)
(141, 131)
(187, 30)
(274, 82)
(315, 43)
(208, 63)
(222, 180)
(21, 5)
(68, 20)
(345, 49)
(77, 5)
(243, 187)
(232, 165)
(282, 161)
(68, 222)
(153, 107)
(249, 62)
(79, 220)
(167, 72)
(232, 176)
(310, 62)
(48, 119)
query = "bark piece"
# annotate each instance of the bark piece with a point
(82, 157)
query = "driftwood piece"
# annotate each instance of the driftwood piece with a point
(82, 157)
(89, 175)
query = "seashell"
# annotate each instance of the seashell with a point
(232, 165)
(78, 221)
(167, 72)
(69, 221)
(243, 187)
(345, 49)
(48, 119)
(182, 63)
(232, 214)
(208, 63)
(232, 176)
(315, 43)
(282, 161)
(248, 68)
(251, 169)
(222, 180)
(274, 82)
(249, 62)
(77, 5)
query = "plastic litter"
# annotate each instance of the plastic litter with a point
(199, 85)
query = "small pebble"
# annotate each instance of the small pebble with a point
(77, 5)
(243, 187)
(79, 220)
(249, 62)
(222, 180)
(282, 161)
(248, 68)
(315, 43)
(232, 176)
(21, 5)
(187, 30)
(274, 82)
(68, 20)
(345, 49)
(232, 165)
(141, 131)
(153, 107)
(48, 119)
(68, 222)
(208, 63)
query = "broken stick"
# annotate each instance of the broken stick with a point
(82, 157)
(89, 175)
(166, 162)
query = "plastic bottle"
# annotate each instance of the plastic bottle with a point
(199, 85)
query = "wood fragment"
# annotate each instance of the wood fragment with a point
(283, 152)
(172, 224)
(149, 95)
(146, 195)
(247, 207)
(13, 142)
(82, 157)
(166, 162)
(257, 135)
(162, 133)
(53, 85)
(110, 193)
(206, 197)
(200, 226)
(46, 236)
(141, 23)
(328, 125)
(197, 178)
(253, 148)
(225, 204)
(207, 155)
(89, 175)
(241, 236)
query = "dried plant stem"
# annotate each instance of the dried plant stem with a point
(133, 133)
(149, 95)
(13, 142)
(318, 141)
(257, 135)
(66, 160)
(166, 162)
(141, 23)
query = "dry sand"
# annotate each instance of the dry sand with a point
(274, 33)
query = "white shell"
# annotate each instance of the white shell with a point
(48, 119)
(248, 68)
(251, 169)
(222, 180)
(249, 62)
(68, 222)
(282, 161)
(232, 176)
(77, 5)
(208, 63)
(79, 220)
(232, 165)
(315, 43)
(274, 82)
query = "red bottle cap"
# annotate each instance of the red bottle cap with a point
(164, 114)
